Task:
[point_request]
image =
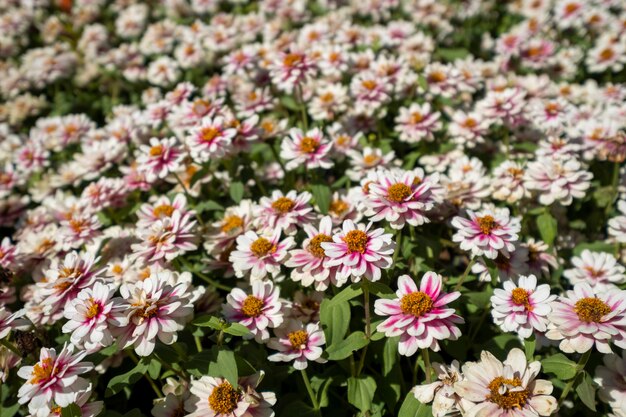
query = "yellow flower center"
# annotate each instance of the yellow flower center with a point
(469, 122)
(262, 247)
(338, 207)
(117, 269)
(309, 145)
(156, 150)
(208, 134)
(315, 247)
(224, 398)
(356, 240)
(521, 298)
(502, 395)
(606, 54)
(327, 98)
(252, 306)
(231, 223)
(292, 59)
(298, 339)
(369, 84)
(591, 309)
(416, 303)
(42, 371)
(398, 192)
(487, 224)
(94, 309)
(164, 210)
(515, 172)
(416, 117)
(370, 159)
(436, 77)
(283, 205)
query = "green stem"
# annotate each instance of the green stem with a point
(11, 347)
(154, 386)
(465, 273)
(198, 343)
(305, 120)
(366, 306)
(398, 246)
(416, 366)
(427, 366)
(579, 367)
(614, 188)
(205, 277)
(307, 383)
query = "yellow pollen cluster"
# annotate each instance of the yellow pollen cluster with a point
(521, 297)
(469, 122)
(283, 205)
(338, 207)
(291, 60)
(398, 192)
(309, 145)
(315, 245)
(252, 306)
(298, 339)
(487, 224)
(437, 77)
(164, 210)
(416, 117)
(262, 247)
(156, 150)
(231, 223)
(515, 172)
(508, 399)
(416, 304)
(224, 398)
(42, 371)
(591, 309)
(606, 54)
(370, 159)
(94, 309)
(208, 134)
(369, 84)
(356, 240)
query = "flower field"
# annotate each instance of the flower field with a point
(315, 208)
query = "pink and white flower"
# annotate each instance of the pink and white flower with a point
(258, 311)
(308, 149)
(610, 378)
(505, 389)
(419, 316)
(522, 308)
(441, 392)
(586, 317)
(298, 343)
(159, 158)
(285, 211)
(598, 269)
(358, 251)
(54, 378)
(417, 123)
(210, 139)
(557, 179)
(487, 232)
(259, 255)
(216, 397)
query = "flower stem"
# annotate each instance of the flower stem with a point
(366, 306)
(427, 367)
(198, 344)
(305, 121)
(307, 383)
(614, 188)
(579, 367)
(11, 347)
(398, 246)
(154, 386)
(465, 273)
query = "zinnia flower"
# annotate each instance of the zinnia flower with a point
(487, 232)
(259, 255)
(309, 150)
(299, 343)
(598, 269)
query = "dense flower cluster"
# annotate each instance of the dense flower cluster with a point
(330, 207)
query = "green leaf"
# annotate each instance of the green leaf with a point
(322, 392)
(560, 366)
(390, 354)
(208, 205)
(71, 410)
(347, 294)
(208, 321)
(289, 103)
(225, 366)
(380, 289)
(529, 348)
(10, 410)
(547, 227)
(299, 408)
(323, 196)
(451, 54)
(480, 299)
(236, 329)
(200, 362)
(343, 349)
(594, 247)
(586, 391)
(413, 408)
(236, 191)
(154, 368)
(361, 392)
(335, 320)
(118, 382)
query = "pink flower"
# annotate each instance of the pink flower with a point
(159, 158)
(598, 269)
(557, 179)
(585, 318)
(487, 232)
(210, 139)
(216, 397)
(359, 251)
(309, 264)
(309, 150)
(154, 308)
(417, 123)
(419, 317)
(90, 316)
(257, 311)
(610, 378)
(259, 255)
(291, 69)
(161, 208)
(299, 343)
(285, 211)
(53, 378)
(522, 308)
(399, 197)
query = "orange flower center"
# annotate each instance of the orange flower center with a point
(309, 145)
(292, 59)
(437, 77)
(224, 398)
(369, 84)
(338, 207)
(398, 192)
(156, 150)
(315, 247)
(252, 306)
(262, 247)
(487, 224)
(521, 297)
(416, 304)
(591, 309)
(208, 134)
(502, 394)
(606, 54)
(94, 309)
(164, 210)
(370, 159)
(42, 371)
(469, 122)
(416, 117)
(231, 223)
(356, 240)
(298, 339)
(283, 205)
